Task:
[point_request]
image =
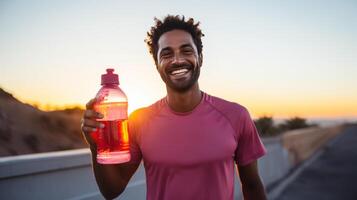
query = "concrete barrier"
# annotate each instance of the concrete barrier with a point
(276, 163)
(302, 143)
(57, 175)
(68, 174)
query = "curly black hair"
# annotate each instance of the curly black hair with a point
(169, 23)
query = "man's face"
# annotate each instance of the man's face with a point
(178, 61)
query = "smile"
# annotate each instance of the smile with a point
(179, 72)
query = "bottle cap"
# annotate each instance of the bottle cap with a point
(110, 77)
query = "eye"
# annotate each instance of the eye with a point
(165, 54)
(187, 50)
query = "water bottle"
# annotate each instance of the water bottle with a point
(112, 140)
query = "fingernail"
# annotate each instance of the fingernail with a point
(100, 115)
(102, 125)
(94, 129)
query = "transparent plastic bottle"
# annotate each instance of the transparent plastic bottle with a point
(112, 140)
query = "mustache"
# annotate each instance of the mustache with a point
(175, 66)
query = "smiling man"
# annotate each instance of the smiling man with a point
(189, 140)
(178, 61)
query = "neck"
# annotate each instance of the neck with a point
(184, 101)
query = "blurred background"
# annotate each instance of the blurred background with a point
(283, 60)
(293, 64)
(280, 59)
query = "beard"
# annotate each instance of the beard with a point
(181, 86)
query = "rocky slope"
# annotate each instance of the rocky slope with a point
(25, 129)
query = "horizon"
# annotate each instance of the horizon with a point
(321, 121)
(279, 59)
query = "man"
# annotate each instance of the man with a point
(188, 140)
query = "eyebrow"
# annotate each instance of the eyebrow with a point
(164, 49)
(182, 46)
(185, 45)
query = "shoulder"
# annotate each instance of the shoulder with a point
(137, 113)
(141, 114)
(237, 114)
(228, 108)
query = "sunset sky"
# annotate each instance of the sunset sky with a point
(281, 58)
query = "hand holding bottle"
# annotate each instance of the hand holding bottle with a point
(108, 131)
(90, 123)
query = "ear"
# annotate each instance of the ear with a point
(200, 59)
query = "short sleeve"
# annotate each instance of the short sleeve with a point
(249, 146)
(133, 129)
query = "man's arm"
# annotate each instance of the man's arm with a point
(252, 186)
(111, 179)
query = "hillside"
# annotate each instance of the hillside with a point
(25, 129)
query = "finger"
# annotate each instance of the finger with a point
(93, 123)
(92, 114)
(87, 129)
(90, 103)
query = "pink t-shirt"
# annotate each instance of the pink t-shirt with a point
(192, 155)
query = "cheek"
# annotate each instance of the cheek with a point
(161, 67)
(195, 61)
(163, 63)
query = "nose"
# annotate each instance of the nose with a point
(177, 59)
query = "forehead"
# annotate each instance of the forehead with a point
(175, 39)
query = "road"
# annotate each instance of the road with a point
(332, 175)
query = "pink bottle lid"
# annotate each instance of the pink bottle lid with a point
(110, 77)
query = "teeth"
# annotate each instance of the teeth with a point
(179, 71)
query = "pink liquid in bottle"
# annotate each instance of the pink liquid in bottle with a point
(112, 140)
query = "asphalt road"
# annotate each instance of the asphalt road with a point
(332, 176)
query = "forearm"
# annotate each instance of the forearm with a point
(254, 192)
(252, 186)
(108, 178)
